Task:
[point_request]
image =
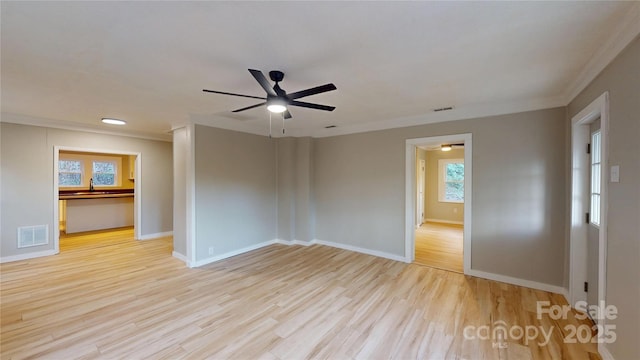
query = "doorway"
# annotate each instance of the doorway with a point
(440, 241)
(588, 240)
(95, 189)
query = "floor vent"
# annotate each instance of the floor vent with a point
(33, 236)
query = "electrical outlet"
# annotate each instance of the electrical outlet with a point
(210, 250)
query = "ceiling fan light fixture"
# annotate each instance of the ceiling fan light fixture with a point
(445, 147)
(276, 108)
(112, 121)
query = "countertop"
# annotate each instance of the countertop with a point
(96, 194)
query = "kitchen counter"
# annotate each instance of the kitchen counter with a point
(96, 210)
(96, 194)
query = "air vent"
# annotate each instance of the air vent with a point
(443, 108)
(330, 127)
(33, 236)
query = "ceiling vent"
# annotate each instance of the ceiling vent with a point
(33, 236)
(443, 108)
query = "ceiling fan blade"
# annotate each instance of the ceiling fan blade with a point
(312, 91)
(259, 76)
(228, 93)
(311, 106)
(249, 107)
(287, 114)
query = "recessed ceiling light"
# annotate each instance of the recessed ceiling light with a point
(113, 121)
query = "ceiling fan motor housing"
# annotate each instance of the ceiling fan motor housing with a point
(276, 75)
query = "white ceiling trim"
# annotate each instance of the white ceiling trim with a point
(626, 30)
(463, 113)
(67, 125)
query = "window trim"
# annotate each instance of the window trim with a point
(442, 163)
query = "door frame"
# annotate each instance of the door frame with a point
(137, 189)
(420, 175)
(411, 190)
(580, 200)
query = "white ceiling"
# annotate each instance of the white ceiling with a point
(69, 64)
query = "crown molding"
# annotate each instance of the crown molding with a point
(73, 126)
(462, 113)
(624, 33)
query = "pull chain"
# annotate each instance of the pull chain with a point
(269, 124)
(282, 113)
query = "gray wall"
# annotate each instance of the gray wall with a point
(296, 214)
(27, 192)
(235, 187)
(518, 212)
(434, 209)
(622, 80)
(181, 147)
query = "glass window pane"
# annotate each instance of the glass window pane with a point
(595, 178)
(69, 166)
(595, 144)
(595, 209)
(103, 179)
(103, 167)
(454, 191)
(69, 179)
(455, 172)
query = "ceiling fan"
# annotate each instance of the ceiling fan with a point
(448, 147)
(277, 100)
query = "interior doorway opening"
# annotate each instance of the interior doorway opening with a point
(95, 190)
(438, 231)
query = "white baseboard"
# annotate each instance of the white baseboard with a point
(209, 260)
(444, 221)
(179, 256)
(604, 352)
(293, 242)
(229, 254)
(377, 253)
(516, 281)
(31, 255)
(156, 235)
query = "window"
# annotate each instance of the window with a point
(104, 173)
(594, 216)
(75, 170)
(69, 173)
(451, 180)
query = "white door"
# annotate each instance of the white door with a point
(420, 190)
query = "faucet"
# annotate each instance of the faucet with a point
(91, 184)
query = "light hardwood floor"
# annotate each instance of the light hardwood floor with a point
(109, 296)
(440, 246)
